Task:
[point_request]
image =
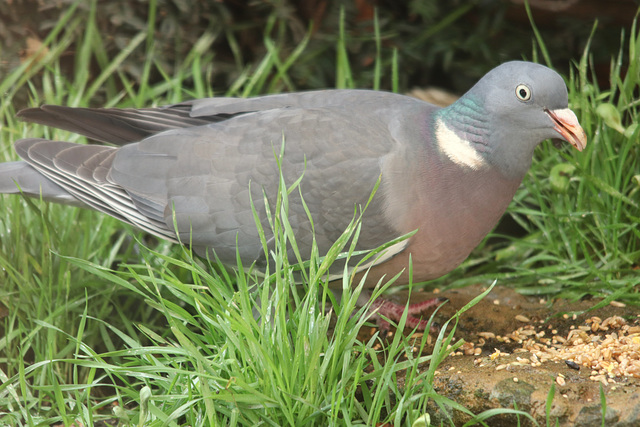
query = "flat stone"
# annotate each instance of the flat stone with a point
(480, 386)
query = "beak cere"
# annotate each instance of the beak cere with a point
(566, 124)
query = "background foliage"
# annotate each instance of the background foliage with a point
(446, 44)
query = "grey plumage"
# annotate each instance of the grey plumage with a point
(449, 173)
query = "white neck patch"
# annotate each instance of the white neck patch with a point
(457, 149)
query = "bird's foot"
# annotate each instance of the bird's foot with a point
(383, 309)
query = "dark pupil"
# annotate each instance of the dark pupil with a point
(523, 93)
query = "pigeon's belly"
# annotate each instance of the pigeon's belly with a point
(449, 234)
(450, 244)
(431, 258)
(455, 221)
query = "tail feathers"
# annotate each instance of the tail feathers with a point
(21, 178)
(114, 125)
(78, 174)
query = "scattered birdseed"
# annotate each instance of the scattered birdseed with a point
(523, 319)
(617, 304)
(610, 348)
(486, 335)
(560, 380)
(468, 348)
(572, 364)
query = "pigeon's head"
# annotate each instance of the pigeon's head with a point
(510, 111)
(530, 98)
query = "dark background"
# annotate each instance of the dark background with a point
(449, 44)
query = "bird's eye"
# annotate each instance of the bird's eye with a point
(523, 92)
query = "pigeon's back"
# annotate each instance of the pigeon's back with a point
(191, 172)
(198, 166)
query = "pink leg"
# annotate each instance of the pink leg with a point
(394, 311)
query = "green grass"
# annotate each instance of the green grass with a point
(101, 326)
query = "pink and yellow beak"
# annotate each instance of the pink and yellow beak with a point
(566, 124)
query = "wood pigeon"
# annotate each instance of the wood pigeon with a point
(448, 173)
